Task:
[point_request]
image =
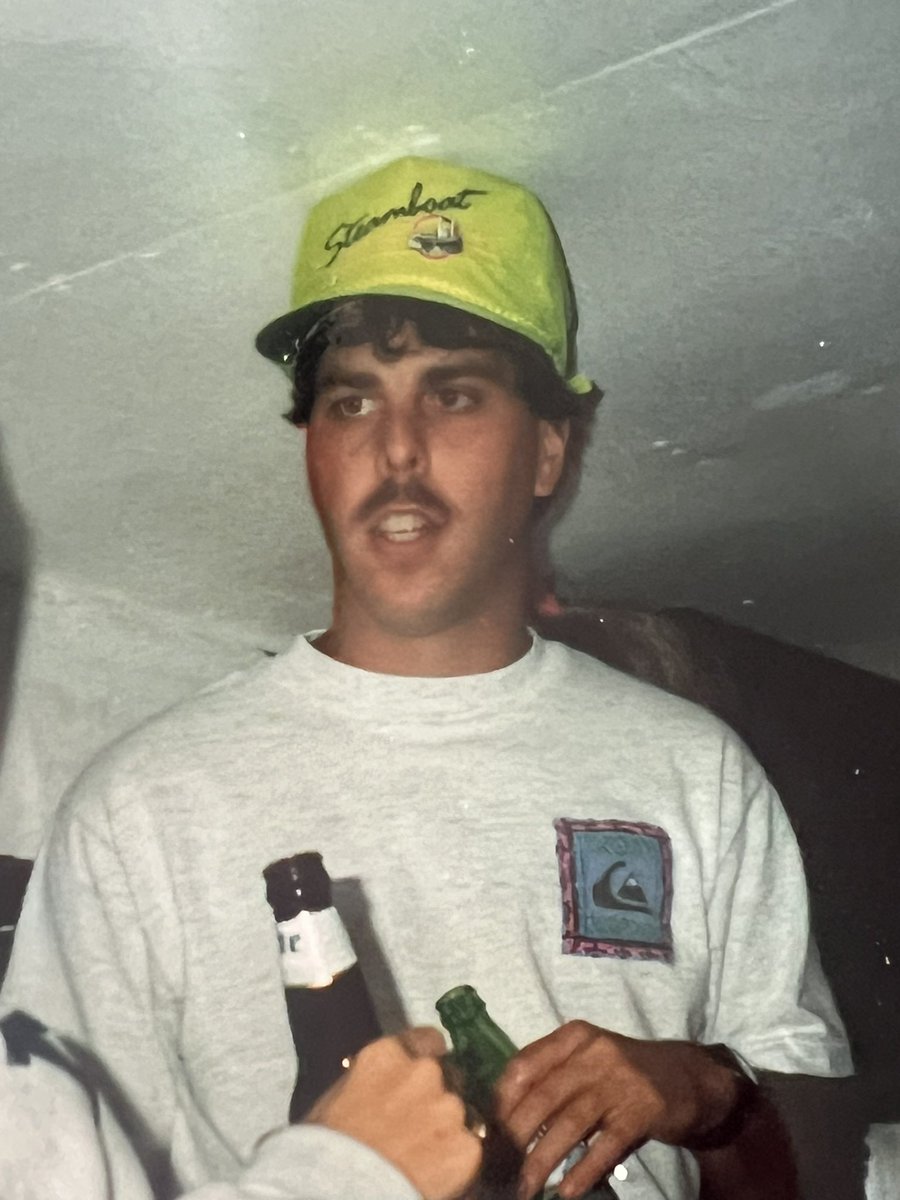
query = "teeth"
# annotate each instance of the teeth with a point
(406, 536)
(401, 523)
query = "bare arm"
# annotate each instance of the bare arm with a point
(756, 1162)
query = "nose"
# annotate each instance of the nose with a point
(404, 442)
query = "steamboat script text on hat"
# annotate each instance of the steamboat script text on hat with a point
(349, 232)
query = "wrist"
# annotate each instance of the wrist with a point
(733, 1095)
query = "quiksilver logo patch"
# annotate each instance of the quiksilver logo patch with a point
(616, 882)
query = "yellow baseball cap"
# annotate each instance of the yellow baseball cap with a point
(435, 231)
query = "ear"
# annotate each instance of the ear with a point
(553, 437)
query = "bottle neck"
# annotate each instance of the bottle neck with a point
(481, 1049)
(295, 884)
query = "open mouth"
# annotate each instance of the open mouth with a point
(404, 526)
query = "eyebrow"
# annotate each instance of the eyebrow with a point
(358, 380)
(474, 367)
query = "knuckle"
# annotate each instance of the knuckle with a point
(372, 1053)
(425, 1041)
(579, 1031)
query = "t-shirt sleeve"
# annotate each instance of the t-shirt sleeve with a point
(309, 1162)
(80, 965)
(768, 997)
(48, 1137)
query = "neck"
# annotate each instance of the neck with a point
(471, 648)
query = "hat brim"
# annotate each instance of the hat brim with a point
(279, 340)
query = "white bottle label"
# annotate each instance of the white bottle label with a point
(314, 948)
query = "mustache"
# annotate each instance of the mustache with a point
(412, 492)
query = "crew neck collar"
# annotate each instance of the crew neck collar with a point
(329, 677)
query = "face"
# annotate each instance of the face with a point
(423, 470)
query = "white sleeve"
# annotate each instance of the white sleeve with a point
(81, 966)
(768, 998)
(49, 1148)
(309, 1162)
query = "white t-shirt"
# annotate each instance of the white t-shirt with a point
(570, 841)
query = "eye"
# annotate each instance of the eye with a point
(348, 407)
(455, 399)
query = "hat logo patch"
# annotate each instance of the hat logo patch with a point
(349, 232)
(436, 237)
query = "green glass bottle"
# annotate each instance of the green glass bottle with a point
(480, 1053)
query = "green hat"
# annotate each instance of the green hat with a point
(435, 231)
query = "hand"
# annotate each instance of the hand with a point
(393, 1099)
(581, 1081)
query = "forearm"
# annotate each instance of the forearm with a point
(756, 1163)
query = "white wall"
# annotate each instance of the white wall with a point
(92, 665)
(724, 177)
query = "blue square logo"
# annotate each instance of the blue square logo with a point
(616, 880)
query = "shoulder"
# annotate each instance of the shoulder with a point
(171, 757)
(583, 678)
(640, 730)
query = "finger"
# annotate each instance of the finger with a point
(469, 1165)
(558, 1141)
(604, 1152)
(537, 1060)
(424, 1041)
(326, 1100)
(566, 1087)
(454, 1079)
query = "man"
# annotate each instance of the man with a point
(604, 862)
(59, 1137)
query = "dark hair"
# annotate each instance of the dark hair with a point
(379, 321)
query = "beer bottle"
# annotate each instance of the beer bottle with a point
(329, 1007)
(480, 1053)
